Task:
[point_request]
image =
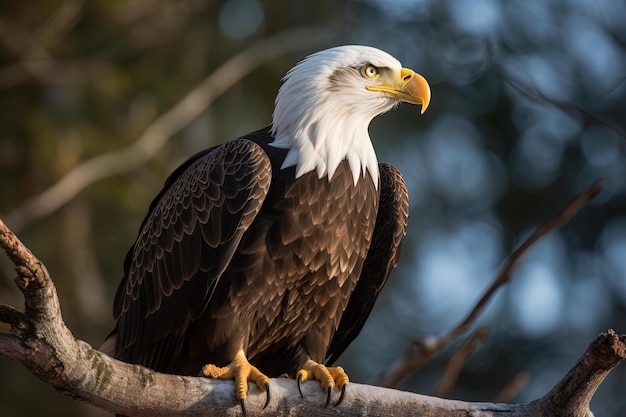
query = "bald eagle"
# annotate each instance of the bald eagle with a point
(264, 256)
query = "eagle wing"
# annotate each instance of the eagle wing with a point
(185, 243)
(382, 257)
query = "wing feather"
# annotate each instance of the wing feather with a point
(382, 257)
(186, 241)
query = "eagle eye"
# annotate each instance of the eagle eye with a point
(370, 71)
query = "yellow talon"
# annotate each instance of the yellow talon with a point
(241, 371)
(328, 378)
(339, 375)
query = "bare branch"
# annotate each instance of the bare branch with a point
(580, 383)
(80, 252)
(11, 347)
(456, 362)
(11, 315)
(163, 127)
(62, 21)
(47, 348)
(511, 389)
(35, 61)
(421, 351)
(568, 108)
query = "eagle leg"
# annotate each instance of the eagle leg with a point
(328, 378)
(241, 371)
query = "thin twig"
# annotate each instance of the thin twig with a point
(35, 61)
(566, 107)
(163, 127)
(510, 390)
(417, 355)
(504, 276)
(61, 23)
(458, 359)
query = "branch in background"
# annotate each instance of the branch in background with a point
(48, 71)
(511, 389)
(46, 347)
(79, 249)
(35, 61)
(457, 361)
(166, 125)
(61, 23)
(566, 107)
(422, 350)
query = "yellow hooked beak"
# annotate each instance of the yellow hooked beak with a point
(409, 87)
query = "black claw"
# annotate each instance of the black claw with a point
(269, 395)
(328, 392)
(243, 407)
(343, 394)
(300, 386)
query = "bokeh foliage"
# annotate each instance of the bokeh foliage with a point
(528, 108)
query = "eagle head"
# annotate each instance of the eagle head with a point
(327, 101)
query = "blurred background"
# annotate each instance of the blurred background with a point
(528, 109)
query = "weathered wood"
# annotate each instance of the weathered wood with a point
(41, 341)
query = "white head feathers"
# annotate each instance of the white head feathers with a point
(323, 111)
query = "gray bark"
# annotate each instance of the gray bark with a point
(41, 341)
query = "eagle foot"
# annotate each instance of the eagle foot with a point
(328, 378)
(241, 371)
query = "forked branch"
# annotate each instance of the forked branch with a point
(41, 341)
(422, 350)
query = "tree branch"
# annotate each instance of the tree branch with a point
(456, 362)
(511, 389)
(47, 348)
(566, 107)
(34, 61)
(422, 350)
